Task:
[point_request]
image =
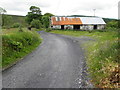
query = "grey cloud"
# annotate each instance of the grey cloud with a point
(22, 5)
(87, 6)
(119, 10)
(60, 7)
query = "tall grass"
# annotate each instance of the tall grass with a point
(16, 44)
(102, 59)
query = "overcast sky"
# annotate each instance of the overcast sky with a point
(104, 8)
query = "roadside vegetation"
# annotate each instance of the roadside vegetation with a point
(19, 36)
(102, 55)
(16, 43)
(11, 21)
(33, 20)
(36, 20)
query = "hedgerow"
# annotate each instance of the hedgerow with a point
(17, 44)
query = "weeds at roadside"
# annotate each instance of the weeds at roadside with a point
(16, 44)
(102, 56)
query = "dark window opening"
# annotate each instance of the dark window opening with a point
(95, 26)
(77, 27)
(62, 26)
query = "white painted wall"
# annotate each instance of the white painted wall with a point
(56, 27)
(87, 27)
(83, 27)
(101, 27)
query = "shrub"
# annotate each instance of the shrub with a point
(48, 29)
(16, 25)
(17, 44)
(20, 29)
(36, 24)
(112, 24)
(4, 27)
(45, 21)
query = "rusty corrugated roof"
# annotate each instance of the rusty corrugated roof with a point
(65, 21)
(76, 20)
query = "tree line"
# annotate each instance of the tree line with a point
(33, 19)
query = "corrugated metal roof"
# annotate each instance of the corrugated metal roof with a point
(76, 20)
(65, 21)
(92, 20)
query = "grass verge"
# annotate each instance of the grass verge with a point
(102, 56)
(17, 44)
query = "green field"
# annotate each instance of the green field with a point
(18, 19)
(16, 44)
(101, 55)
(8, 21)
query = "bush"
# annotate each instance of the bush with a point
(45, 21)
(48, 29)
(16, 25)
(17, 45)
(112, 24)
(36, 24)
(4, 27)
(20, 29)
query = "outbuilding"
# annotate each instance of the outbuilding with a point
(77, 23)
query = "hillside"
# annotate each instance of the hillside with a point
(17, 19)
(21, 19)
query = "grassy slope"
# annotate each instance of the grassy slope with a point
(18, 19)
(21, 19)
(16, 45)
(102, 56)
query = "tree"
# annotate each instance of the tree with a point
(48, 14)
(35, 13)
(36, 24)
(35, 10)
(2, 11)
(45, 21)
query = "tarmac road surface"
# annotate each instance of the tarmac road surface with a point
(57, 63)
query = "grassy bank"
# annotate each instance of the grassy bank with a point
(9, 21)
(102, 56)
(16, 44)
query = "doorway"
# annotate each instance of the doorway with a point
(95, 26)
(62, 26)
(77, 27)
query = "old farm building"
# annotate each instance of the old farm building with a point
(79, 23)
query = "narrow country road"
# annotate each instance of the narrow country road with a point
(57, 63)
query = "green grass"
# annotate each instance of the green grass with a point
(102, 55)
(17, 19)
(71, 32)
(16, 45)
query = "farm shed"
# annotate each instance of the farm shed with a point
(78, 23)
